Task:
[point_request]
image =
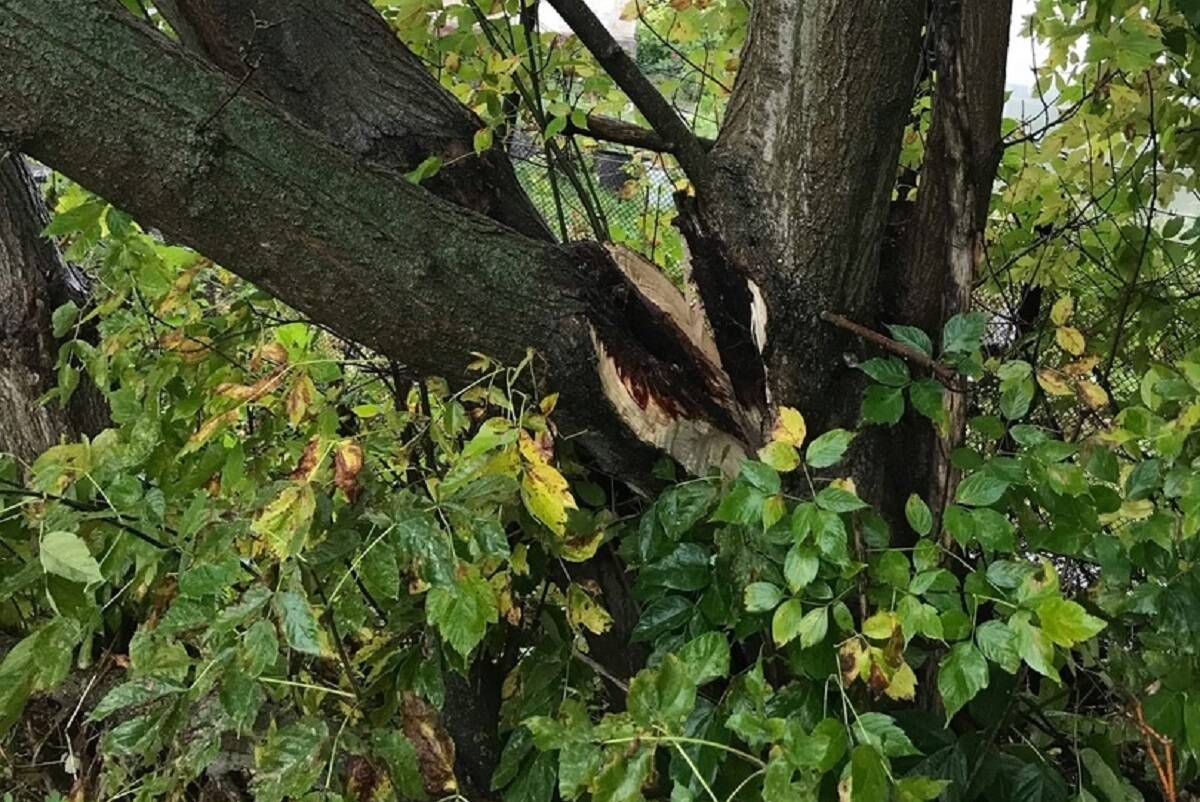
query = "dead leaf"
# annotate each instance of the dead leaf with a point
(348, 464)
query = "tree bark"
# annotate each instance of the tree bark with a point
(352, 244)
(945, 241)
(337, 66)
(805, 165)
(34, 280)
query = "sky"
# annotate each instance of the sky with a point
(1020, 56)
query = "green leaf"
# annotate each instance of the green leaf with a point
(927, 398)
(288, 761)
(998, 644)
(813, 626)
(785, 624)
(400, 756)
(959, 522)
(535, 782)
(920, 789)
(1015, 398)
(743, 504)
(880, 731)
(963, 333)
(380, 572)
(706, 657)
(918, 514)
(1035, 647)
(963, 673)
(883, 406)
(760, 597)
(683, 506)
(993, 530)
(685, 568)
(868, 775)
(36, 663)
(1066, 622)
(892, 568)
(912, 337)
(761, 476)
(298, 621)
(980, 489)
(64, 318)
(886, 370)
(829, 448)
(800, 567)
(837, 499)
(622, 779)
(65, 554)
(462, 611)
(661, 616)
(131, 694)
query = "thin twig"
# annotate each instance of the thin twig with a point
(945, 375)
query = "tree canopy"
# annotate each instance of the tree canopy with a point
(400, 400)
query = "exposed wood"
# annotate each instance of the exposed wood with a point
(803, 172)
(346, 242)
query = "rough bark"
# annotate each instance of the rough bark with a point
(350, 243)
(34, 280)
(945, 242)
(337, 66)
(804, 168)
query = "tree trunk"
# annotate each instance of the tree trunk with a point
(285, 165)
(34, 281)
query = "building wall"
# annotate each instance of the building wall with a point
(609, 13)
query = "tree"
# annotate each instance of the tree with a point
(379, 108)
(303, 146)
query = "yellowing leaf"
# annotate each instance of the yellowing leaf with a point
(1070, 339)
(347, 464)
(903, 684)
(854, 660)
(881, 625)
(1053, 382)
(543, 489)
(789, 427)
(1093, 394)
(1081, 367)
(284, 523)
(300, 398)
(584, 612)
(581, 548)
(781, 456)
(1062, 310)
(483, 139)
(208, 429)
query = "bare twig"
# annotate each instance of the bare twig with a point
(616, 62)
(944, 374)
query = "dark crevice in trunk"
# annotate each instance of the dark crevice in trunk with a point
(729, 304)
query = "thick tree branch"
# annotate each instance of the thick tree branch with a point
(339, 67)
(680, 139)
(355, 246)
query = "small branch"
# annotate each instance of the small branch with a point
(682, 142)
(944, 374)
(610, 129)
